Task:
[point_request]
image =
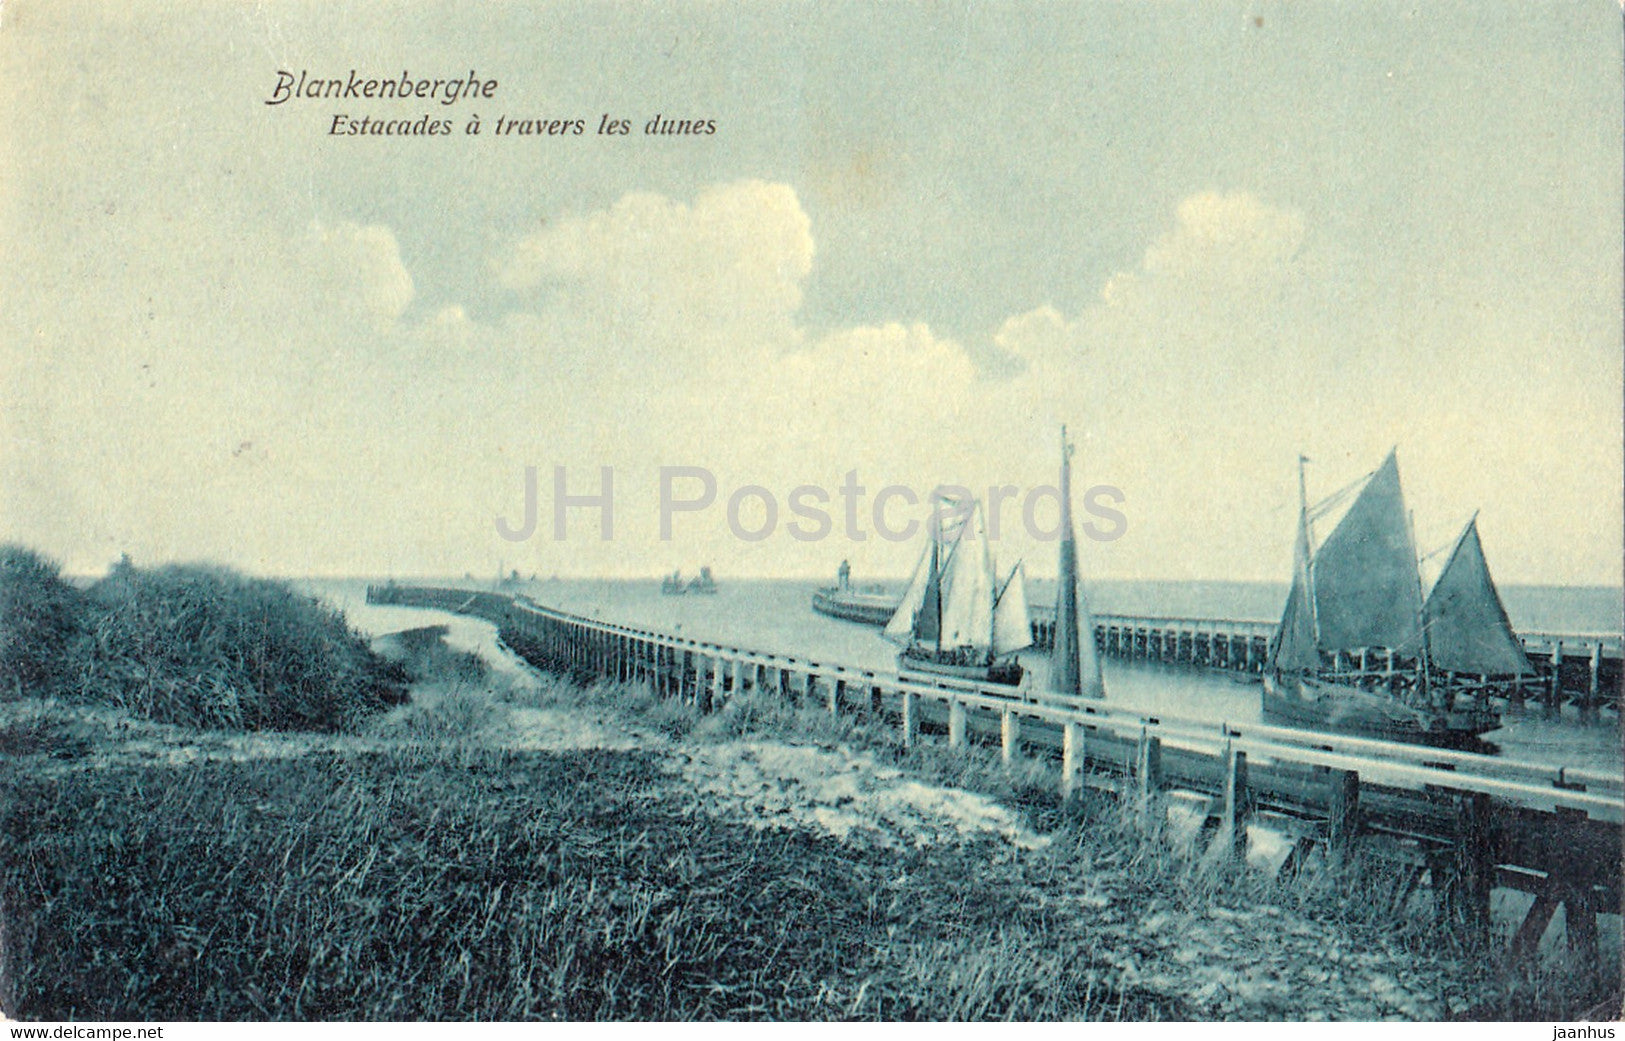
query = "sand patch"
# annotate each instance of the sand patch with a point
(844, 793)
(556, 730)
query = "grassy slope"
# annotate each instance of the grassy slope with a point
(443, 877)
(191, 644)
(572, 885)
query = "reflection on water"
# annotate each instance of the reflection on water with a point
(775, 616)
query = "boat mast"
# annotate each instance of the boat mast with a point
(935, 603)
(1066, 486)
(1424, 653)
(1308, 550)
(1066, 667)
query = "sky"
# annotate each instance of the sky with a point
(1209, 238)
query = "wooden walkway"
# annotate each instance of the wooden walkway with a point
(1582, 669)
(1460, 823)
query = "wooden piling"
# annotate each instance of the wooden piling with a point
(1009, 736)
(1073, 757)
(1238, 802)
(1474, 866)
(837, 694)
(1589, 708)
(1343, 812)
(911, 721)
(956, 723)
(1554, 691)
(1526, 941)
(1580, 924)
(1148, 766)
(711, 686)
(1574, 888)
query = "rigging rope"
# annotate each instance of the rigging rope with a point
(1332, 501)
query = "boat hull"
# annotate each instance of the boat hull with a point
(1004, 673)
(1317, 704)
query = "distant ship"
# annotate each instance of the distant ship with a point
(956, 620)
(703, 584)
(1360, 650)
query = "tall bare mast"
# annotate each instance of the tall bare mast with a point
(1308, 547)
(1075, 664)
(1424, 674)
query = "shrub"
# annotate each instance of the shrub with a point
(204, 646)
(40, 616)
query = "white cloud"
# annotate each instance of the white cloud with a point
(296, 417)
(357, 270)
(1230, 236)
(1206, 291)
(735, 258)
(1036, 335)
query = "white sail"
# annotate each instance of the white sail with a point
(1012, 625)
(900, 630)
(967, 594)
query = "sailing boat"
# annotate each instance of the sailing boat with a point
(1359, 649)
(956, 619)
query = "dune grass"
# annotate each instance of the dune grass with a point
(41, 615)
(1116, 836)
(583, 885)
(442, 877)
(189, 644)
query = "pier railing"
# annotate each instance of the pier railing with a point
(1465, 823)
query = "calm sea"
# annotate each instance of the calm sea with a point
(776, 616)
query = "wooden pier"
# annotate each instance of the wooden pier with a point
(1581, 669)
(1586, 670)
(1458, 823)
